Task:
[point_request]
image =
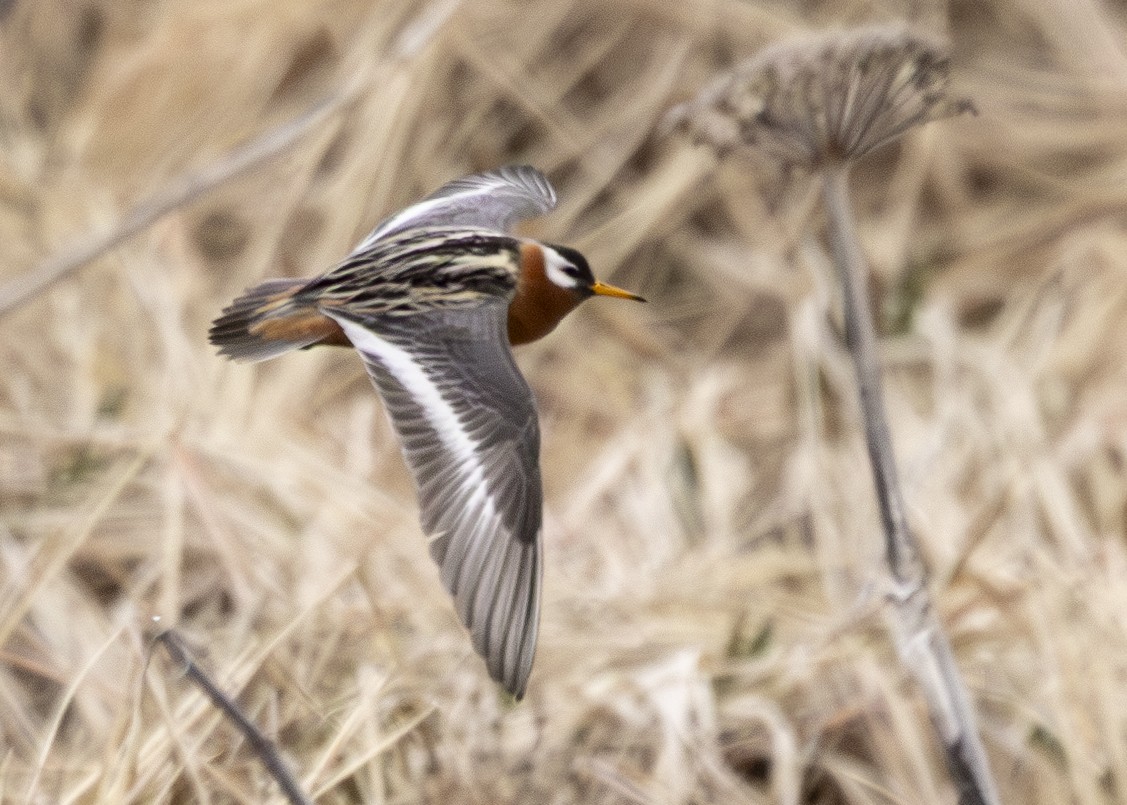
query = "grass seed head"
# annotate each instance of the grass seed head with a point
(826, 97)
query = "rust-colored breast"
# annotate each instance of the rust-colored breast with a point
(539, 304)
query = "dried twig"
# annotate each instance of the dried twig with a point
(262, 746)
(817, 104)
(180, 192)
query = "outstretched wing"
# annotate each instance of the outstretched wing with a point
(494, 200)
(467, 424)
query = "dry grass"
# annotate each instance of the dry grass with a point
(711, 533)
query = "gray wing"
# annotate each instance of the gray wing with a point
(467, 423)
(494, 200)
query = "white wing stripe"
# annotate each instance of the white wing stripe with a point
(443, 418)
(474, 480)
(477, 503)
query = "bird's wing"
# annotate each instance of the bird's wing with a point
(466, 421)
(495, 200)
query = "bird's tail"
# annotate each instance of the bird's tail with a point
(267, 320)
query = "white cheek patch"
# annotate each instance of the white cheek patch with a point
(554, 265)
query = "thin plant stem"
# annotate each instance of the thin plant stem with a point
(919, 636)
(900, 546)
(263, 746)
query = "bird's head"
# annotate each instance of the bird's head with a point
(568, 269)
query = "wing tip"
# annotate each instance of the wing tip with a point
(511, 659)
(502, 615)
(531, 178)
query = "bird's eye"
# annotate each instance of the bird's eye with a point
(571, 271)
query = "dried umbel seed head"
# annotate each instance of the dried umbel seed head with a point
(825, 98)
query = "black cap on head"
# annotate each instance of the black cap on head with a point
(586, 278)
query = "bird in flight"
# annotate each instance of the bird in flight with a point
(432, 300)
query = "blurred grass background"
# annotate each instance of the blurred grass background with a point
(709, 629)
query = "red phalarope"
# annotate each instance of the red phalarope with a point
(432, 300)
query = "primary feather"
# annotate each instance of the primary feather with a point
(495, 200)
(467, 425)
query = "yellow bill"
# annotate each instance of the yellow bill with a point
(602, 289)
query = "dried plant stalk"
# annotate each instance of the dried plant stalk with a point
(901, 550)
(262, 746)
(817, 104)
(919, 636)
